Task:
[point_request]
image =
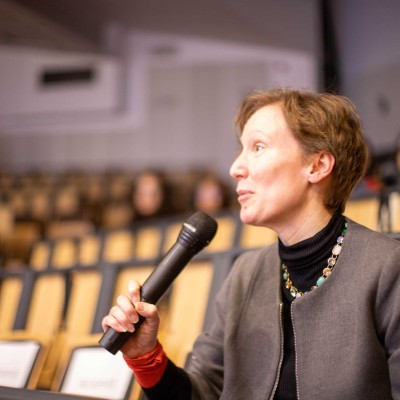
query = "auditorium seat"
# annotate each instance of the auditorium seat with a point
(25, 353)
(18, 199)
(116, 215)
(89, 249)
(84, 291)
(364, 211)
(119, 186)
(64, 253)
(191, 303)
(82, 301)
(251, 236)
(149, 239)
(78, 227)
(138, 272)
(39, 258)
(39, 314)
(11, 284)
(118, 246)
(17, 245)
(171, 233)
(394, 201)
(186, 309)
(66, 203)
(46, 305)
(224, 238)
(41, 207)
(59, 253)
(81, 330)
(86, 369)
(6, 220)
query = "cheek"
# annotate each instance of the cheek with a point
(279, 179)
(264, 175)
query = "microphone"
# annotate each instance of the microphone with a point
(196, 233)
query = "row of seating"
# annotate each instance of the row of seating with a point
(84, 273)
(59, 299)
(62, 309)
(18, 237)
(104, 198)
(33, 204)
(16, 245)
(150, 240)
(142, 241)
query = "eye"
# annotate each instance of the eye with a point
(259, 147)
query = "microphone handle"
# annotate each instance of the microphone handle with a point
(151, 291)
(113, 340)
(164, 274)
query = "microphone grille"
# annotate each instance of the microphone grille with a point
(205, 226)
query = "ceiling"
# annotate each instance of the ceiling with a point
(23, 27)
(81, 25)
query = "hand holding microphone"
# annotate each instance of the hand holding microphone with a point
(123, 323)
(196, 233)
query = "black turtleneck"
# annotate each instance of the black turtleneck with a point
(305, 261)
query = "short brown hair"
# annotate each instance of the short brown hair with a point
(320, 122)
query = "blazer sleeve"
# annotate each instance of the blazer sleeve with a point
(388, 314)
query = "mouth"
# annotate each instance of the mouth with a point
(243, 195)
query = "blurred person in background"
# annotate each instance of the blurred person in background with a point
(209, 194)
(151, 196)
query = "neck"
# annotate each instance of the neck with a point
(303, 226)
(306, 260)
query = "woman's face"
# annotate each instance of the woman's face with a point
(271, 171)
(208, 196)
(148, 196)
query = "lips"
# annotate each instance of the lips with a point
(243, 195)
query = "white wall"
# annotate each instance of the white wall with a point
(368, 36)
(178, 108)
(24, 95)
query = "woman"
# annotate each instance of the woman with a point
(209, 194)
(151, 196)
(315, 315)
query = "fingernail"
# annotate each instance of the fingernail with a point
(132, 286)
(140, 306)
(134, 319)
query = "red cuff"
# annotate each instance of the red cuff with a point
(150, 367)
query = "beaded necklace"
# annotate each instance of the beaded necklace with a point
(325, 273)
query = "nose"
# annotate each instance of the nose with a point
(238, 168)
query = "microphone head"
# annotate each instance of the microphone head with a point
(198, 231)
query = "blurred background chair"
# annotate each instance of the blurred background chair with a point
(364, 211)
(39, 315)
(255, 236)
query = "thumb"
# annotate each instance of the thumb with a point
(146, 310)
(150, 314)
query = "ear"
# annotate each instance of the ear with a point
(321, 167)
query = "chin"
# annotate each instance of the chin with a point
(247, 218)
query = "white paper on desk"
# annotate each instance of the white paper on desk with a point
(93, 371)
(17, 359)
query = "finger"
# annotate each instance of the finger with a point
(134, 291)
(110, 322)
(127, 307)
(122, 318)
(151, 319)
(147, 310)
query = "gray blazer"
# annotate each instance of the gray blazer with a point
(347, 332)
